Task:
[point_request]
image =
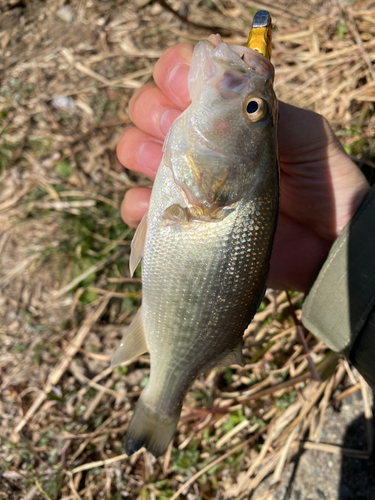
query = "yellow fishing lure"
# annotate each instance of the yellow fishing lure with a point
(260, 34)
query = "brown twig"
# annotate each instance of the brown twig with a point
(99, 463)
(239, 447)
(217, 29)
(62, 366)
(314, 372)
(93, 269)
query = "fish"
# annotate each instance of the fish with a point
(206, 240)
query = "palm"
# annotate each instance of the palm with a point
(321, 189)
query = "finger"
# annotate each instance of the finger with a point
(135, 205)
(171, 73)
(152, 111)
(139, 151)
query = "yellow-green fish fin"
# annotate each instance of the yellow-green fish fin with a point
(133, 343)
(138, 245)
(233, 358)
(150, 428)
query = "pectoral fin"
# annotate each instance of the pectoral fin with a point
(233, 358)
(176, 213)
(138, 245)
(133, 343)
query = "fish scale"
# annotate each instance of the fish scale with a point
(206, 240)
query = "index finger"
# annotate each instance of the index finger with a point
(171, 72)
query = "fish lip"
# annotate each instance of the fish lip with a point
(249, 58)
(255, 61)
(244, 59)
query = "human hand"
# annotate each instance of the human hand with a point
(321, 188)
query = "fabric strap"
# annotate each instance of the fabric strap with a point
(340, 306)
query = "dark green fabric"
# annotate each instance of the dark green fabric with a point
(362, 352)
(339, 307)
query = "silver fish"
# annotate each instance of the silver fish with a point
(206, 240)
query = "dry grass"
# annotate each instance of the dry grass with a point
(65, 290)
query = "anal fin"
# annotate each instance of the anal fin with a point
(133, 343)
(233, 358)
(138, 245)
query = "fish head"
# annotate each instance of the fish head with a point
(224, 146)
(231, 88)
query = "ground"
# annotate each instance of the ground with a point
(68, 69)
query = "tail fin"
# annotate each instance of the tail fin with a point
(150, 429)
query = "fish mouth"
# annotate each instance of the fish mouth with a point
(254, 60)
(241, 58)
(257, 54)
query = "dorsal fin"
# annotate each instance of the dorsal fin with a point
(138, 245)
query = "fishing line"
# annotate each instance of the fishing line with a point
(283, 12)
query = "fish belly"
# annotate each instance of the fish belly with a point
(202, 283)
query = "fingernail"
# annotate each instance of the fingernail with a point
(178, 82)
(150, 154)
(167, 118)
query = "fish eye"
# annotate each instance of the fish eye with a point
(255, 109)
(252, 107)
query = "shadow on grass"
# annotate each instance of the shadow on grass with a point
(357, 480)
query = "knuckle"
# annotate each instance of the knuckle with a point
(181, 52)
